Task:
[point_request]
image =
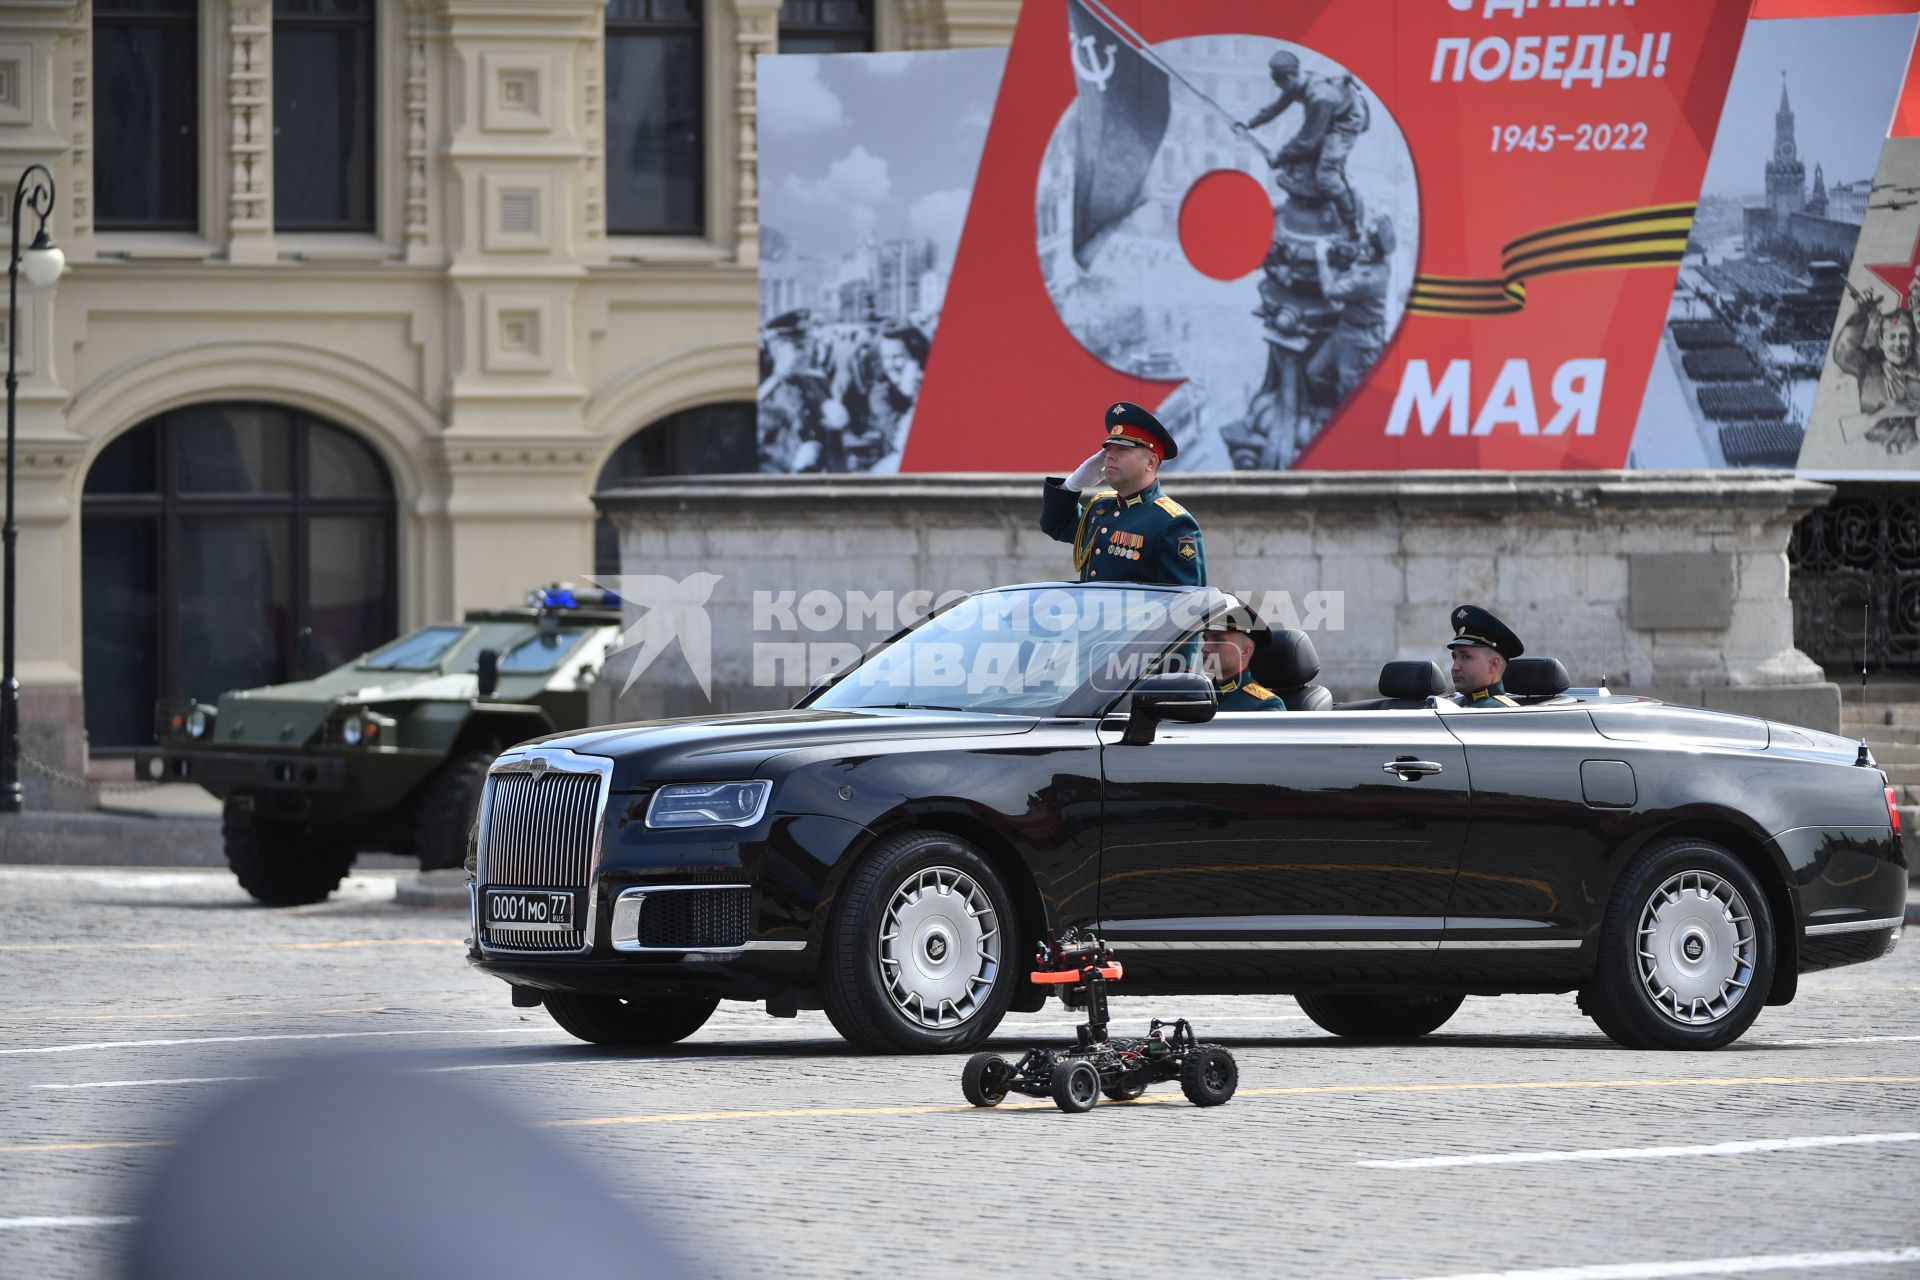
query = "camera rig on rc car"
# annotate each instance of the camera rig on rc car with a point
(1076, 1076)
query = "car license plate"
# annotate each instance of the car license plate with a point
(543, 910)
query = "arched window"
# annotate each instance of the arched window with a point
(225, 546)
(713, 439)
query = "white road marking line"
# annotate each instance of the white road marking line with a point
(315, 1035)
(1643, 1153)
(1702, 1267)
(32, 1224)
(135, 1084)
(1845, 1040)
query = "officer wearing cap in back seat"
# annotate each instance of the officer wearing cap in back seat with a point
(1125, 529)
(1481, 647)
(1226, 648)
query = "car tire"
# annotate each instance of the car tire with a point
(282, 864)
(1124, 1092)
(1379, 1018)
(1209, 1075)
(629, 1023)
(1686, 950)
(983, 1081)
(1076, 1086)
(449, 805)
(956, 939)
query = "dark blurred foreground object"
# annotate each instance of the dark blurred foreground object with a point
(340, 1168)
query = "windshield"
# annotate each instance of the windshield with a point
(541, 652)
(1025, 651)
(424, 650)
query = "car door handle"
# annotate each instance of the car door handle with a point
(1406, 768)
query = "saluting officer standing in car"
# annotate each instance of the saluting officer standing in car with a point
(1126, 531)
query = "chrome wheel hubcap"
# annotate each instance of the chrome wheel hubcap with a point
(939, 947)
(1695, 948)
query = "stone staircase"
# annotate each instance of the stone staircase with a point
(1890, 722)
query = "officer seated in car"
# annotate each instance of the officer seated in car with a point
(1226, 648)
(1481, 647)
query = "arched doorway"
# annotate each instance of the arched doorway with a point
(712, 439)
(225, 546)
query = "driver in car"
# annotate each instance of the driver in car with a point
(1226, 648)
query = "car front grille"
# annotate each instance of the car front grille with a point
(540, 835)
(696, 918)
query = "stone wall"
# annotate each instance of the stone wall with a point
(1673, 583)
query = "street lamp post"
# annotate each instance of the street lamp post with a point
(43, 262)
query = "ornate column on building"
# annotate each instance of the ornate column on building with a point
(756, 30)
(248, 32)
(515, 180)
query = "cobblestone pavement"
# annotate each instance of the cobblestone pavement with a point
(132, 998)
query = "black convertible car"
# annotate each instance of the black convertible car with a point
(1038, 757)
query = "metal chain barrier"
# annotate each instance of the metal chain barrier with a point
(74, 780)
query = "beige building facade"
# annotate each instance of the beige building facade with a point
(450, 362)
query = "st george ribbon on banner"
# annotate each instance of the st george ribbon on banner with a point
(1119, 122)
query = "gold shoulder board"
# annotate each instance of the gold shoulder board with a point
(1169, 506)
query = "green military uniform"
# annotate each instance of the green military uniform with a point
(1142, 537)
(1475, 627)
(1244, 693)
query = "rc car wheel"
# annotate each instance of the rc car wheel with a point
(1125, 1092)
(984, 1079)
(283, 864)
(1076, 1086)
(449, 803)
(629, 1023)
(1686, 950)
(1379, 1018)
(918, 952)
(1209, 1076)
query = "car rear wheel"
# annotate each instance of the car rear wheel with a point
(918, 953)
(1686, 950)
(1379, 1017)
(283, 864)
(629, 1022)
(449, 804)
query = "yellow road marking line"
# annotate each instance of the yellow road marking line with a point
(679, 1117)
(673, 1117)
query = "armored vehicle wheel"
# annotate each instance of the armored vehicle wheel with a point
(1379, 1018)
(449, 803)
(1686, 950)
(984, 1079)
(1209, 1076)
(283, 864)
(629, 1023)
(1076, 1086)
(918, 953)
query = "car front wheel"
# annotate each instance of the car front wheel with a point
(920, 952)
(1686, 950)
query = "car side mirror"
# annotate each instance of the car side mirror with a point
(1184, 697)
(489, 672)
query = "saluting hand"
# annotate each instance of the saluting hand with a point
(1087, 472)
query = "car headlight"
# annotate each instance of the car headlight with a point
(353, 730)
(709, 804)
(199, 723)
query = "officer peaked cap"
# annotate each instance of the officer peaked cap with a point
(1128, 423)
(1473, 625)
(1242, 619)
(789, 322)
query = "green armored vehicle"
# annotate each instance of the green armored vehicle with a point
(390, 751)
